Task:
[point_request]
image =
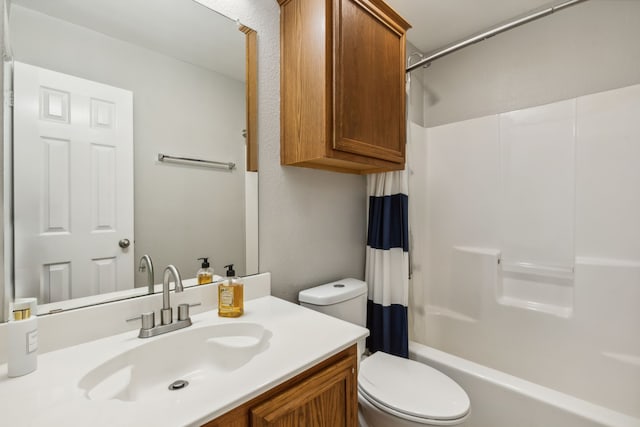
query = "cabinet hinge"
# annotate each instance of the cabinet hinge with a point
(353, 371)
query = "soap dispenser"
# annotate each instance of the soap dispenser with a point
(205, 274)
(230, 295)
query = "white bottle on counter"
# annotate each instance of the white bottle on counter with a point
(23, 337)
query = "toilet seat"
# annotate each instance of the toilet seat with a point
(411, 390)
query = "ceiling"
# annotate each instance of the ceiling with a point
(210, 40)
(438, 23)
(185, 30)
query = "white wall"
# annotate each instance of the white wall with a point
(312, 223)
(179, 109)
(588, 48)
(583, 337)
(574, 332)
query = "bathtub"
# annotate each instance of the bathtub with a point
(502, 400)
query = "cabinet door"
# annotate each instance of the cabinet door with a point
(369, 101)
(326, 399)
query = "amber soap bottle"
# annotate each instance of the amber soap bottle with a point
(205, 274)
(230, 295)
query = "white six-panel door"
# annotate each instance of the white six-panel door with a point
(73, 180)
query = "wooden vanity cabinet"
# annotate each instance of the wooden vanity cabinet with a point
(323, 396)
(342, 85)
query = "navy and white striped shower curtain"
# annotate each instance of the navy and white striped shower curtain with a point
(387, 263)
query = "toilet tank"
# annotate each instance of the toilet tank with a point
(345, 299)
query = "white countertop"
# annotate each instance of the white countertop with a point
(50, 396)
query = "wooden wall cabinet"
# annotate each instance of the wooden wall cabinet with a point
(323, 396)
(342, 85)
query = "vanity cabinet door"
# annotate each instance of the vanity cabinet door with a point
(326, 399)
(323, 396)
(342, 85)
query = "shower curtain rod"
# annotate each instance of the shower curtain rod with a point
(490, 33)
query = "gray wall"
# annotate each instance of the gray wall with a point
(585, 49)
(312, 223)
(181, 212)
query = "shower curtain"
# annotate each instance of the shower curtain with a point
(387, 263)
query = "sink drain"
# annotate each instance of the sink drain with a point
(178, 385)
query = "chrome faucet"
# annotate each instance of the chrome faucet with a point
(149, 328)
(166, 315)
(147, 264)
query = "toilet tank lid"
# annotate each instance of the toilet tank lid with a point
(334, 292)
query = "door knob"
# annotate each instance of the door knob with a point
(124, 243)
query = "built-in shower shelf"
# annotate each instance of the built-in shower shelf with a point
(538, 269)
(543, 288)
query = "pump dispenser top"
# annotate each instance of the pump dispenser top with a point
(230, 271)
(205, 274)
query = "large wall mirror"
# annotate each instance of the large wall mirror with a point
(133, 126)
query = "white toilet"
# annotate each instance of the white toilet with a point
(392, 391)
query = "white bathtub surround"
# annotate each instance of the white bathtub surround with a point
(60, 330)
(502, 400)
(537, 161)
(526, 244)
(52, 396)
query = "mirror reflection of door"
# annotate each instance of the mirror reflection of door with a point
(186, 66)
(73, 156)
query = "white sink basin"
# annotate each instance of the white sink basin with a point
(195, 355)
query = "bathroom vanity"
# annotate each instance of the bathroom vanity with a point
(277, 362)
(325, 394)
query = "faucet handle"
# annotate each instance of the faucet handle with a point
(148, 320)
(183, 311)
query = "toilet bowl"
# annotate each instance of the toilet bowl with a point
(392, 391)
